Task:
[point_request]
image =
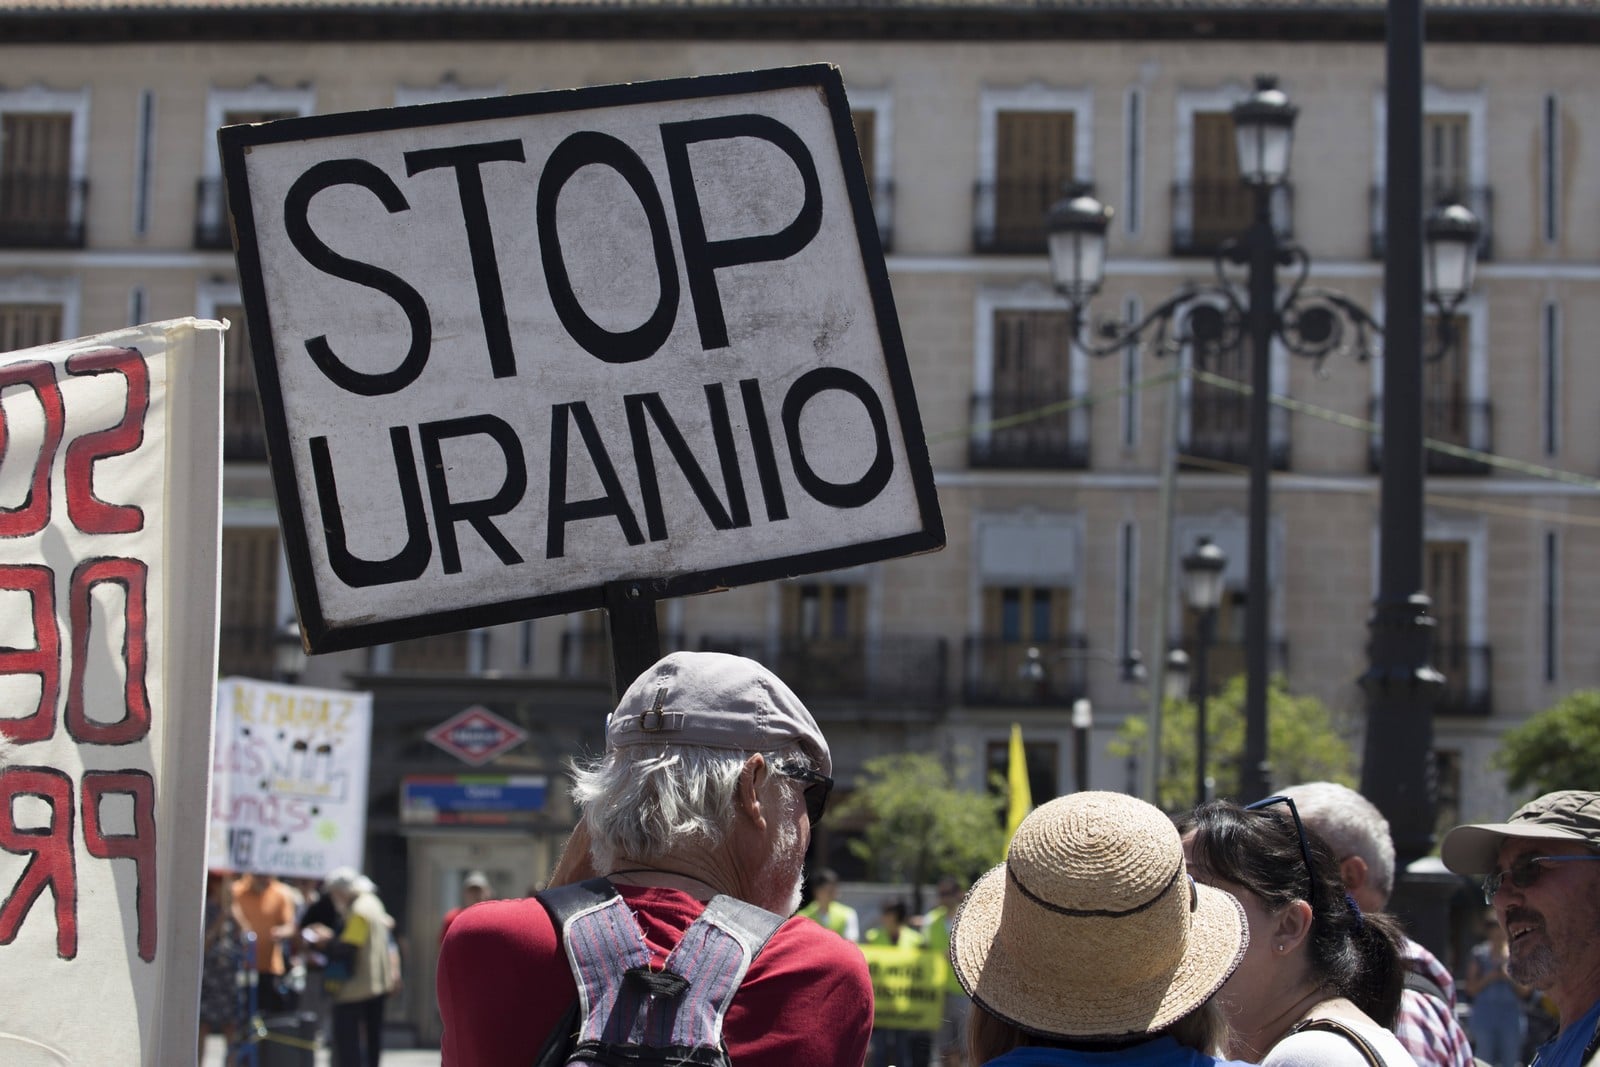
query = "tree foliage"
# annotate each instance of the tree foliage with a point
(1559, 748)
(919, 826)
(1304, 743)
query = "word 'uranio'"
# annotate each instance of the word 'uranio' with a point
(643, 410)
(53, 848)
(702, 257)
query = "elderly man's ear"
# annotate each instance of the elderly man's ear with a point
(752, 780)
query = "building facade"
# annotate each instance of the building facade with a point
(1048, 462)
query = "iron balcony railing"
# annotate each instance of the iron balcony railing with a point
(1057, 440)
(875, 670)
(1219, 430)
(244, 434)
(1207, 212)
(1468, 423)
(1009, 673)
(1477, 199)
(1009, 216)
(211, 216)
(1226, 660)
(1468, 677)
(42, 210)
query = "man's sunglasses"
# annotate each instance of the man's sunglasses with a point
(1300, 832)
(1523, 873)
(818, 786)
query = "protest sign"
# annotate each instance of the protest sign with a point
(907, 987)
(110, 468)
(512, 350)
(289, 792)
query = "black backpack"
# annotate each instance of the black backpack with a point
(627, 1014)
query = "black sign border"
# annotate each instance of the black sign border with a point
(235, 142)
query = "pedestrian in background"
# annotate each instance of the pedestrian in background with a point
(1499, 1022)
(221, 962)
(1359, 835)
(826, 909)
(1090, 946)
(893, 1048)
(268, 911)
(366, 971)
(475, 889)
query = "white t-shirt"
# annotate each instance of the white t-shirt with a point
(1323, 1048)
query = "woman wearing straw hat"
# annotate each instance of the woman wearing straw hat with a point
(1091, 945)
(1321, 981)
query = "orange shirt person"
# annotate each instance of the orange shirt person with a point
(268, 911)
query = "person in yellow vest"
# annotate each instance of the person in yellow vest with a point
(369, 971)
(825, 908)
(950, 1042)
(892, 1048)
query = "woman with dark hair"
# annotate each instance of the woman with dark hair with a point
(1092, 947)
(1321, 981)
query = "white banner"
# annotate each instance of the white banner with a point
(110, 469)
(290, 770)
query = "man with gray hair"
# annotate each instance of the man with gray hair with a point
(1359, 836)
(703, 804)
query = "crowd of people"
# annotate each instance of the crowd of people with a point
(319, 949)
(1111, 934)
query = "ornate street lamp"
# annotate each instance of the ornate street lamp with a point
(1082, 721)
(1202, 588)
(1220, 317)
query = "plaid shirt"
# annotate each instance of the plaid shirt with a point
(1426, 1026)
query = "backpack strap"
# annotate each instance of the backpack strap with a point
(563, 903)
(1418, 982)
(1334, 1026)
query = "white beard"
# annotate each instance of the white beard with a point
(779, 880)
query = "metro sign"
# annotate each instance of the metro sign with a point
(476, 735)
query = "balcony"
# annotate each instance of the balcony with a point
(42, 211)
(1207, 212)
(1008, 216)
(1219, 431)
(1056, 441)
(244, 434)
(1468, 673)
(1478, 199)
(1226, 661)
(995, 675)
(1467, 423)
(873, 670)
(211, 229)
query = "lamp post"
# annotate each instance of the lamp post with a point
(1035, 674)
(289, 651)
(1215, 318)
(1082, 720)
(1202, 588)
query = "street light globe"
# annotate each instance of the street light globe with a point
(1076, 226)
(1202, 575)
(1263, 127)
(1176, 681)
(1450, 254)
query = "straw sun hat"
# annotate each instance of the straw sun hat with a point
(1092, 927)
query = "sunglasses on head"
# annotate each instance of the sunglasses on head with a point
(1523, 873)
(1300, 832)
(818, 786)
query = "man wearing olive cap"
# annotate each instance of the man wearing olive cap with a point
(713, 776)
(1542, 870)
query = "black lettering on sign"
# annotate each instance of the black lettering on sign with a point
(701, 257)
(477, 513)
(644, 458)
(755, 416)
(582, 149)
(296, 220)
(563, 511)
(467, 159)
(404, 565)
(840, 495)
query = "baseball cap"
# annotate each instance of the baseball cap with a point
(1566, 815)
(475, 880)
(718, 701)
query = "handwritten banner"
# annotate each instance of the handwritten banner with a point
(907, 987)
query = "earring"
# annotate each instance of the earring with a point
(1280, 946)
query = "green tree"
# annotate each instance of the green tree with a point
(1559, 748)
(1304, 743)
(919, 825)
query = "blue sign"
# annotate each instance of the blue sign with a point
(471, 799)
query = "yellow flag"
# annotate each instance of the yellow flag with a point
(1020, 800)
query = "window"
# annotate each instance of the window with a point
(29, 325)
(1041, 758)
(1451, 413)
(260, 102)
(1445, 173)
(1220, 202)
(43, 165)
(244, 433)
(1455, 162)
(871, 114)
(1026, 377)
(1024, 614)
(823, 643)
(249, 609)
(1449, 581)
(1033, 143)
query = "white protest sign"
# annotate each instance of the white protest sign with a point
(512, 350)
(110, 469)
(289, 793)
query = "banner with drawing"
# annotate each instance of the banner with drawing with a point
(110, 476)
(290, 778)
